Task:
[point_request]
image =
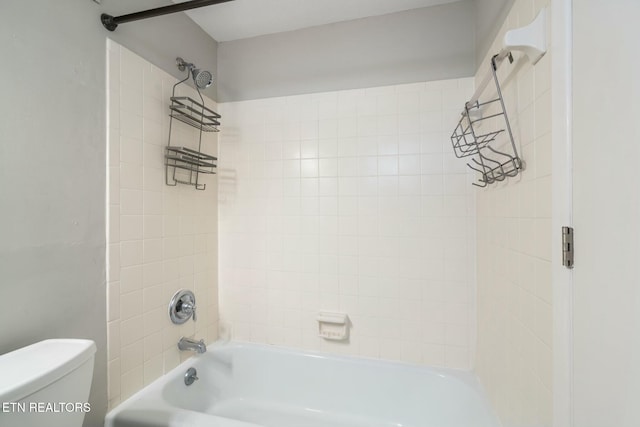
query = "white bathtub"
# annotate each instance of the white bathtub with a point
(249, 385)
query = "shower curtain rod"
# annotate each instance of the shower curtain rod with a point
(111, 22)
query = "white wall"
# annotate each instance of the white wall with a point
(52, 158)
(515, 322)
(606, 374)
(431, 43)
(349, 201)
(160, 238)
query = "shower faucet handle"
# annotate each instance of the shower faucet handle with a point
(190, 309)
(182, 307)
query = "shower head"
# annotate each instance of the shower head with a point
(201, 78)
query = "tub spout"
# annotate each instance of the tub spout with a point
(191, 344)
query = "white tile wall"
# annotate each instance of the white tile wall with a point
(348, 201)
(160, 238)
(514, 245)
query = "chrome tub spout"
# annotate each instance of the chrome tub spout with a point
(191, 344)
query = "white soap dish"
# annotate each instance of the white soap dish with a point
(333, 326)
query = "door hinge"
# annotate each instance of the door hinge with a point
(567, 247)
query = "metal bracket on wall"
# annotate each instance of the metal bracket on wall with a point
(567, 247)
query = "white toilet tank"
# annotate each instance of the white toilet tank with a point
(46, 384)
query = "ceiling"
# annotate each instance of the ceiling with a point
(240, 19)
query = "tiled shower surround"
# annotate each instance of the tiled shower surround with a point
(161, 238)
(349, 202)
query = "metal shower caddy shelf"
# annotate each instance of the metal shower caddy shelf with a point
(194, 114)
(469, 141)
(195, 162)
(470, 138)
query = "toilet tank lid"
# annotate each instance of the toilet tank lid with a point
(29, 369)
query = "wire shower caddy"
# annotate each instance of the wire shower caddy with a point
(479, 133)
(184, 165)
(470, 140)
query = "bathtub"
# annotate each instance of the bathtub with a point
(250, 385)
